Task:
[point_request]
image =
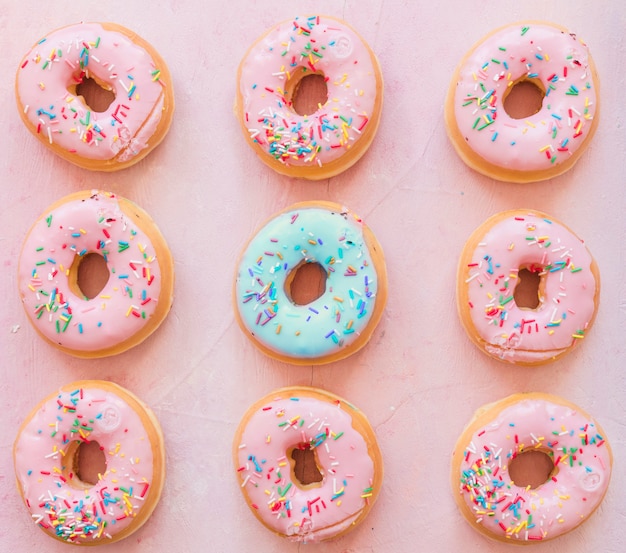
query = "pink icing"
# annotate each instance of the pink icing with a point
(62, 507)
(582, 471)
(59, 60)
(560, 63)
(519, 334)
(319, 44)
(129, 298)
(273, 492)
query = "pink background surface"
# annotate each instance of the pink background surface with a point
(420, 379)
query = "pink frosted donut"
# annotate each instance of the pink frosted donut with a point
(339, 131)
(522, 243)
(47, 469)
(137, 294)
(120, 62)
(580, 462)
(346, 454)
(516, 147)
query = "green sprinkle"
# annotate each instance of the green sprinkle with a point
(485, 125)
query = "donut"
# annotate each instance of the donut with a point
(137, 293)
(576, 451)
(114, 129)
(47, 451)
(516, 139)
(560, 304)
(320, 140)
(325, 500)
(343, 318)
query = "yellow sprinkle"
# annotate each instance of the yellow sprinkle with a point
(278, 328)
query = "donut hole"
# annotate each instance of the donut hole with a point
(306, 91)
(527, 293)
(97, 96)
(306, 283)
(85, 463)
(524, 98)
(531, 468)
(88, 275)
(305, 469)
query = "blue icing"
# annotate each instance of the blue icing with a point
(335, 320)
